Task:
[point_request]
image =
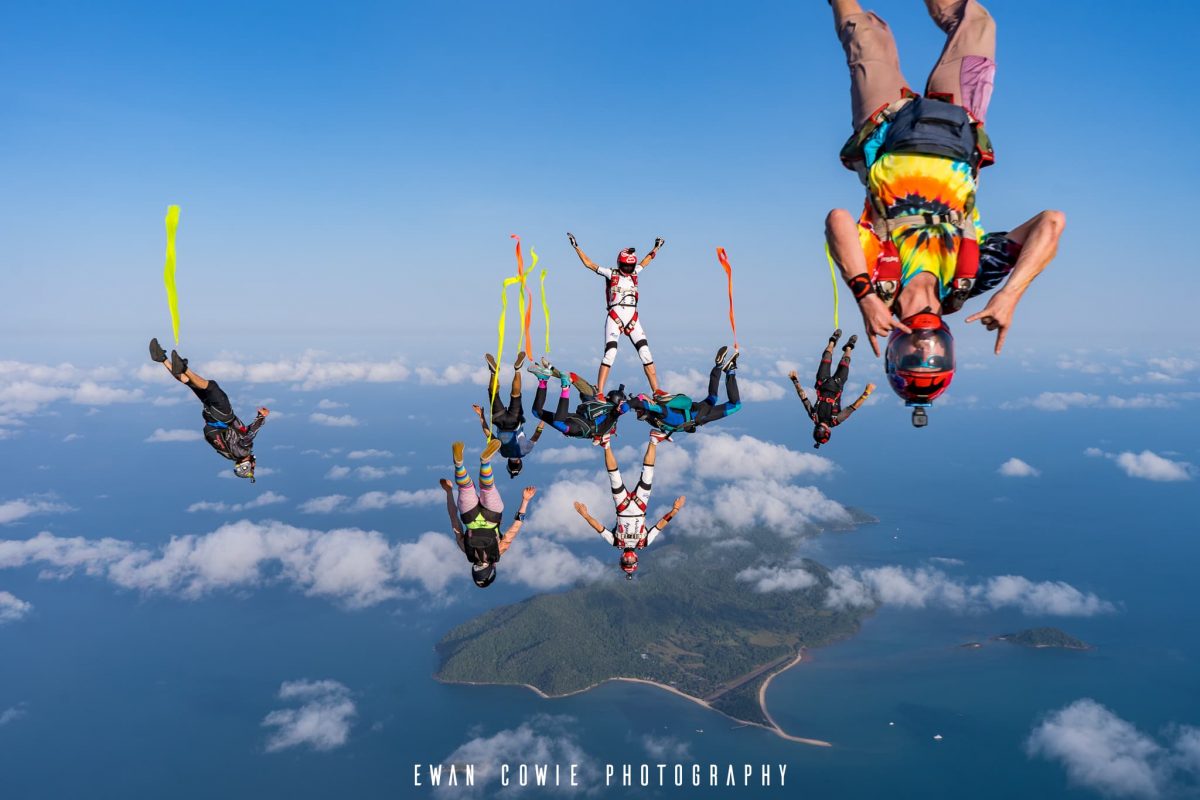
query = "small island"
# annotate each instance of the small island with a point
(1044, 637)
(686, 625)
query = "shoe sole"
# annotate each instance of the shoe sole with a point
(490, 450)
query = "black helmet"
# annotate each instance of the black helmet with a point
(616, 396)
(483, 575)
(820, 434)
(514, 467)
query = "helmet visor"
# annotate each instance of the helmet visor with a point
(923, 350)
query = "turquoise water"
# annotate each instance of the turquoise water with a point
(130, 696)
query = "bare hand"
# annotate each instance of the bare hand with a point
(997, 316)
(878, 320)
(794, 376)
(449, 487)
(571, 239)
(658, 242)
(870, 388)
(581, 508)
(264, 411)
(478, 410)
(529, 492)
(679, 501)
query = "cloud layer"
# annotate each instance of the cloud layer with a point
(322, 722)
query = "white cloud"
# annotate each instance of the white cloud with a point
(553, 512)
(264, 499)
(344, 421)
(310, 372)
(322, 722)
(1146, 465)
(70, 437)
(12, 608)
(777, 579)
(666, 748)
(355, 455)
(323, 505)
(567, 455)
(1016, 468)
(336, 473)
(922, 587)
(726, 457)
(175, 435)
(330, 405)
(452, 375)
(13, 510)
(542, 739)
(543, 565)
(364, 473)
(747, 504)
(372, 501)
(1063, 401)
(12, 714)
(1109, 755)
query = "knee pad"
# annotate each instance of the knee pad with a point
(610, 354)
(643, 351)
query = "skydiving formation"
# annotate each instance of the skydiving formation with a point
(671, 413)
(594, 418)
(222, 428)
(917, 252)
(828, 413)
(475, 515)
(630, 533)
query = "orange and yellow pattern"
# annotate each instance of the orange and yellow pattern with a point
(908, 184)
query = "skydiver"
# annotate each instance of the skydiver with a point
(828, 412)
(680, 413)
(916, 253)
(222, 429)
(596, 415)
(630, 533)
(509, 421)
(622, 299)
(476, 516)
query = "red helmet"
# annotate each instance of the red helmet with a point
(920, 365)
(629, 561)
(626, 257)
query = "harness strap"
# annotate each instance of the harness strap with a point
(631, 497)
(625, 329)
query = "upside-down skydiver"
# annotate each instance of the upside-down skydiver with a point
(828, 413)
(680, 413)
(509, 420)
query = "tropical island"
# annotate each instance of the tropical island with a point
(1044, 637)
(687, 625)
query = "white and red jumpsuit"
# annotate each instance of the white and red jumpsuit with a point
(622, 317)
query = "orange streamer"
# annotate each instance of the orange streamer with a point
(729, 274)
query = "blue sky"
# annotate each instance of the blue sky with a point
(355, 171)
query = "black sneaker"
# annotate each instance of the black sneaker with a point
(731, 365)
(156, 351)
(178, 365)
(721, 355)
(837, 334)
(851, 342)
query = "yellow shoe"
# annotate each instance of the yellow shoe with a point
(493, 447)
(456, 450)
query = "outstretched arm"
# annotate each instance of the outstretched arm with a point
(510, 534)
(845, 413)
(800, 391)
(537, 433)
(653, 252)
(592, 521)
(587, 262)
(452, 510)
(1039, 244)
(487, 429)
(666, 519)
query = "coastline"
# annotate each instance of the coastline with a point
(773, 727)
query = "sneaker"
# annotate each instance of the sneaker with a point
(602, 441)
(851, 342)
(659, 436)
(721, 355)
(541, 372)
(731, 366)
(491, 362)
(520, 360)
(156, 352)
(178, 365)
(456, 450)
(837, 334)
(492, 447)
(661, 393)
(583, 386)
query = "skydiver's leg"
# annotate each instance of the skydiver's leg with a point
(514, 395)
(612, 335)
(467, 497)
(826, 363)
(714, 382)
(966, 69)
(638, 337)
(489, 496)
(646, 479)
(615, 482)
(875, 77)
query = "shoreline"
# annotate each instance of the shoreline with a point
(772, 726)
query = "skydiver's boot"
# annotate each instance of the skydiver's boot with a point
(493, 379)
(520, 360)
(731, 365)
(178, 365)
(853, 340)
(491, 362)
(156, 351)
(721, 355)
(493, 447)
(582, 386)
(833, 340)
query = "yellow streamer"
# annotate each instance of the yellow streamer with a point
(495, 387)
(169, 270)
(833, 278)
(545, 309)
